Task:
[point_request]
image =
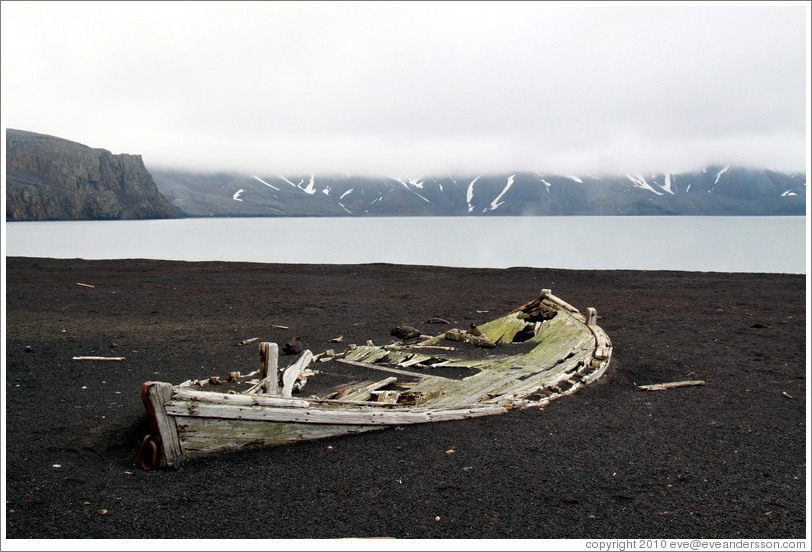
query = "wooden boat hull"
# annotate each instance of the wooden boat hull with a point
(570, 351)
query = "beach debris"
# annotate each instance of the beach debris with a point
(338, 339)
(214, 380)
(787, 395)
(233, 377)
(84, 285)
(670, 385)
(117, 359)
(450, 451)
(370, 343)
(102, 512)
(57, 466)
(247, 341)
(28, 349)
(326, 356)
(279, 327)
(473, 330)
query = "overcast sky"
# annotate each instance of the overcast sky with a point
(411, 89)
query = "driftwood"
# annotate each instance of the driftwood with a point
(670, 385)
(84, 285)
(117, 359)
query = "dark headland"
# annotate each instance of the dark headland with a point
(723, 460)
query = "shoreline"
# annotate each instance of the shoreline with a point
(724, 460)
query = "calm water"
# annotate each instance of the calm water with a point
(715, 244)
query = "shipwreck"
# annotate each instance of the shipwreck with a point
(540, 351)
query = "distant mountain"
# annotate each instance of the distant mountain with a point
(53, 178)
(50, 178)
(718, 190)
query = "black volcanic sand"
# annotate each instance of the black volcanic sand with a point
(723, 460)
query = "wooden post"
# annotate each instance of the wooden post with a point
(591, 316)
(155, 395)
(269, 364)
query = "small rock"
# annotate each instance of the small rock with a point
(102, 512)
(450, 451)
(28, 349)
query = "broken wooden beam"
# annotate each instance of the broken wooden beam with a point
(386, 369)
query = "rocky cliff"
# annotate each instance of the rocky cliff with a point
(50, 178)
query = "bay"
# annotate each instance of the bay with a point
(707, 244)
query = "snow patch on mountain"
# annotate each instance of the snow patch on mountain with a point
(469, 195)
(416, 182)
(667, 185)
(236, 196)
(575, 179)
(311, 186)
(263, 182)
(345, 194)
(640, 182)
(718, 176)
(496, 203)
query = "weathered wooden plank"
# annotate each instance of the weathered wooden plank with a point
(416, 359)
(560, 302)
(366, 353)
(548, 378)
(388, 369)
(670, 385)
(211, 434)
(241, 399)
(364, 392)
(341, 416)
(292, 372)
